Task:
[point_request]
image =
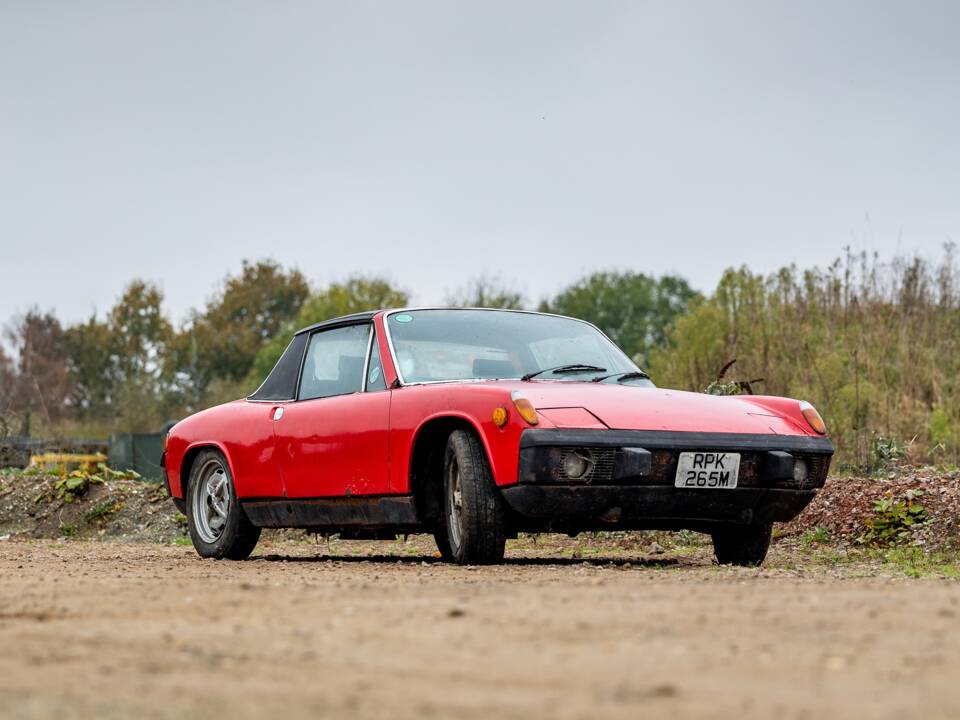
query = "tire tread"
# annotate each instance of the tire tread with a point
(240, 536)
(484, 532)
(744, 545)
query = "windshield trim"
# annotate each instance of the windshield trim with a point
(396, 365)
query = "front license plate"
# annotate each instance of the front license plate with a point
(707, 470)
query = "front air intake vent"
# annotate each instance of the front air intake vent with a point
(600, 464)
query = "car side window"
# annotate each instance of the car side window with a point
(334, 362)
(375, 379)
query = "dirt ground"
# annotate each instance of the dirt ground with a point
(383, 630)
(116, 617)
(30, 506)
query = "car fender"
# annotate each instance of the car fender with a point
(453, 415)
(501, 444)
(784, 407)
(197, 446)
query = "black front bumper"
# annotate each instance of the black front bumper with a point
(632, 482)
(649, 508)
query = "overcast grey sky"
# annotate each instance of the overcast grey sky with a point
(435, 141)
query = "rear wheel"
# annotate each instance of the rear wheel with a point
(473, 531)
(745, 545)
(218, 526)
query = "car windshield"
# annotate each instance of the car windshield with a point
(447, 345)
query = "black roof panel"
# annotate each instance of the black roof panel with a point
(344, 320)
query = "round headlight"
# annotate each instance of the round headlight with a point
(799, 471)
(813, 418)
(576, 464)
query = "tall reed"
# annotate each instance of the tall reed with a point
(875, 345)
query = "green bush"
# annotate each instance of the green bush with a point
(886, 452)
(101, 511)
(893, 521)
(944, 432)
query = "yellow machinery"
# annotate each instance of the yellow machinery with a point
(61, 462)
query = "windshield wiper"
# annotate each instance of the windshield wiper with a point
(632, 375)
(560, 369)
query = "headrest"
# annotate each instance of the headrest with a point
(351, 368)
(484, 368)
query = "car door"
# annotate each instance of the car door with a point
(251, 445)
(250, 436)
(334, 440)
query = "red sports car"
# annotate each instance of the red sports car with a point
(475, 425)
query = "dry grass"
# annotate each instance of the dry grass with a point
(876, 346)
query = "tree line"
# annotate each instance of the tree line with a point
(132, 369)
(875, 345)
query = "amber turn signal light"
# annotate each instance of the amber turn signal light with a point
(500, 416)
(524, 407)
(813, 418)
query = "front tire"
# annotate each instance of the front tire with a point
(473, 532)
(219, 528)
(744, 545)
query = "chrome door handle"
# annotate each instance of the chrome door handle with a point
(277, 413)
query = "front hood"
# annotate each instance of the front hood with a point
(625, 407)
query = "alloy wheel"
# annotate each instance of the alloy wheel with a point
(211, 502)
